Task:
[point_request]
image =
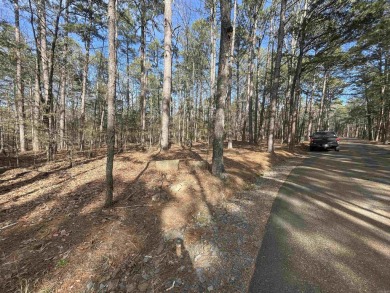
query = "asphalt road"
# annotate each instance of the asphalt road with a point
(329, 229)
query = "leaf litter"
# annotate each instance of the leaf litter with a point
(56, 236)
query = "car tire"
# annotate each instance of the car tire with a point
(311, 149)
(337, 149)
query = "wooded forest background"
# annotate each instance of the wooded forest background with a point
(285, 70)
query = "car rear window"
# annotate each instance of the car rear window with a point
(331, 134)
(324, 134)
(319, 134)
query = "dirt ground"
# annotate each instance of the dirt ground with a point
(172, 228)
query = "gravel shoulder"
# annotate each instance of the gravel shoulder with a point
(242, 228)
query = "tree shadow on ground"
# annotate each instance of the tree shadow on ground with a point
(329, 228)
(62, 236)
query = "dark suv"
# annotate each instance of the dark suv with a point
(324, 140)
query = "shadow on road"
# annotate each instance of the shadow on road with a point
(329, 228)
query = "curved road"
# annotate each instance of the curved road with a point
(329, 229)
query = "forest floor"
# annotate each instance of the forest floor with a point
(173, 227)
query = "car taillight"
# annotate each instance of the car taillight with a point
(338, 139)
(311, 140)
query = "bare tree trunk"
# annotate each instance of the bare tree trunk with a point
(275, 85)
(167, 75)
(62, 103)
(45, 71)
(320, 113)
(84, 84)
(268, 67)
(36, 103)
(302, 125)
(143, 75)
(84, 95)
(380, 128)
(310, 122)
(386, 126)
(222, 87)
(368, 114)
(245, 112)
(257, 95)
(48, 73)
(63, 84)
(250, 85)
(101, 124)
(111, 92)
(213, 25)
(231, 57)
(238, 98)
(386, 138)
(18, 81)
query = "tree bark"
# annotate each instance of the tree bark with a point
(222, 87)
(18, 81)
(231, 57)
(36, 104)
(84, 85)
(250, 84)
(83, 96)
(63, 102)
(143, 74)
(275, 85)
(111, 93)
(368, 114)
(167, 75)
(321, 110)
(238, 98)
(213, 25)
(63, 83)
(268, 67)
(45, 71)
(310, 122)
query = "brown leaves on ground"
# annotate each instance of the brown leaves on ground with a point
(55, 236)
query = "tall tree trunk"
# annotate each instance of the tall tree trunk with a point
(111, 93)
(321, 110)
(222, 87)
(231, 57)
(276, 81)
(213, 25)
(52, 143)
(380, 128)
(310, 122)
(63, 83)
(256, 90)
(84, 95)
(18, 81)
(143, 74)
(368, 114)
(45, 71)
(295, 87)
(167, 75)
(37, 89)
(84, 85)
(63, 102)
(48, 72)
(238, 98)
(36, 104)
(268, 67)
(257, 94)
(302, 125)
(386, 127)
(250, 85)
